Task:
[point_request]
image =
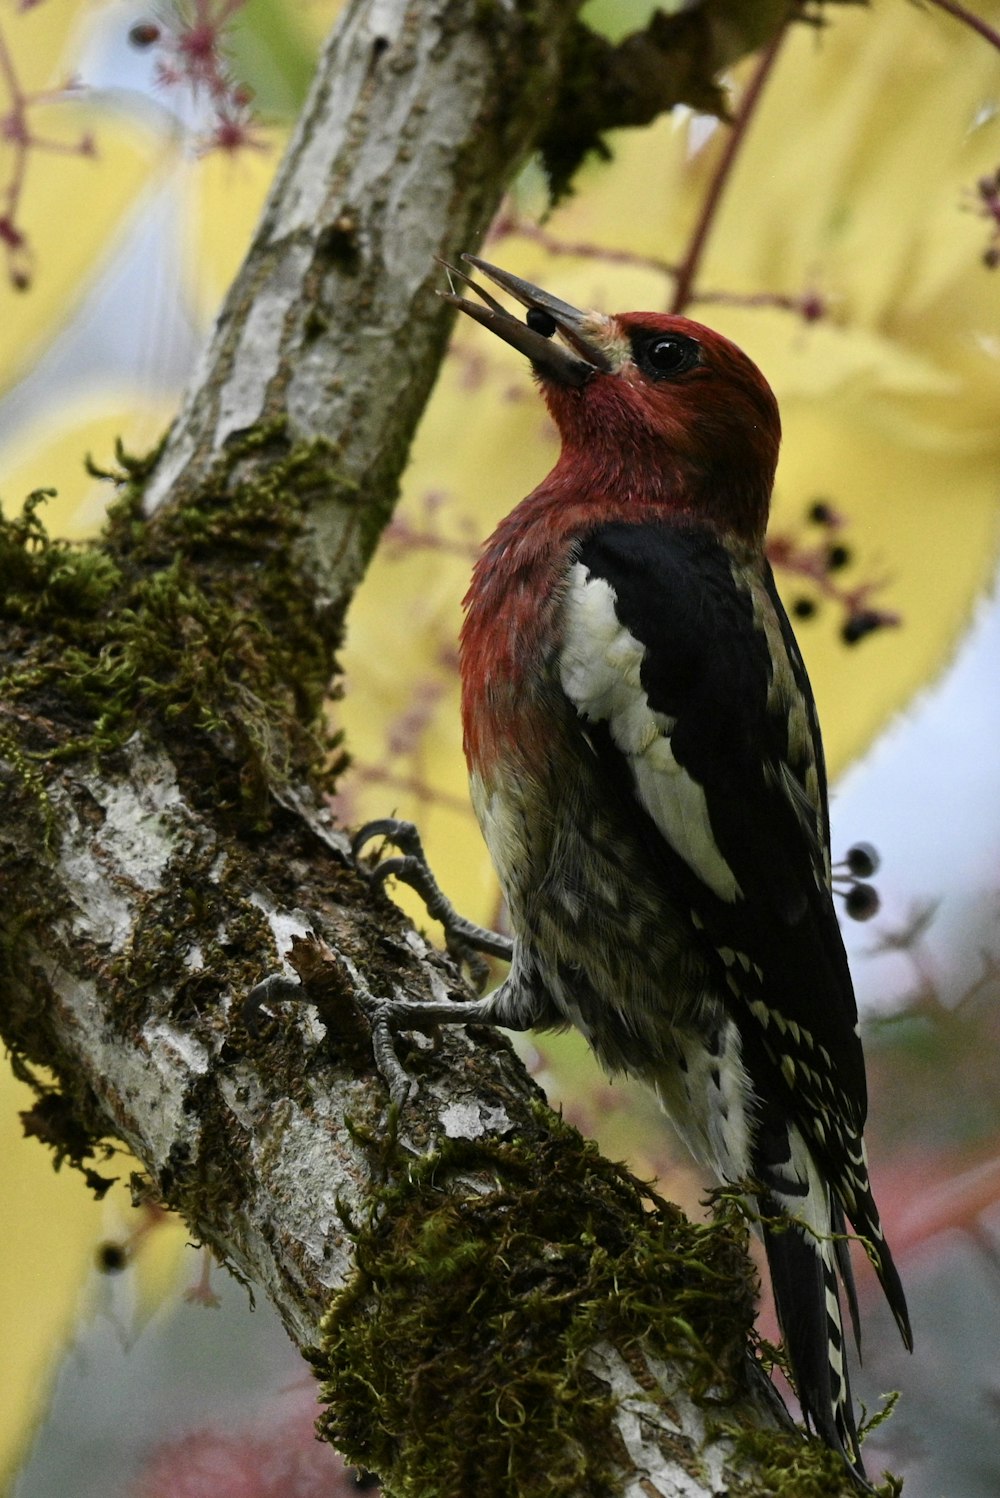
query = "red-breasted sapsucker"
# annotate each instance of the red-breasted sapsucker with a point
(646, 766)
(647, 769)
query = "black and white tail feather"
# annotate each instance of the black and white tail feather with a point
(804, 1235)
(804, 1280)
(806, 1262)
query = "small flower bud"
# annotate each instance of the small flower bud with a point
(10, 234)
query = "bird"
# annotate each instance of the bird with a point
(646, 766)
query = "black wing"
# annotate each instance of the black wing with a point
(682, 665)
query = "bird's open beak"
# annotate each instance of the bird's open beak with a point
(573, 365)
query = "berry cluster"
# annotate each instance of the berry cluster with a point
(822, 563)
(850, 876)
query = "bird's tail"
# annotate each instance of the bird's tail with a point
(803, 1266)
(807, 1251)
(855, 1194)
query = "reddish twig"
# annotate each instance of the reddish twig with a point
(15, 129)
(399, 533)
(813, 563)
(510, 223)
(951, 1195)
(411, 785)
(968, 18)
(987, 188)
(808, 305)
(193, 55)
(690, 265)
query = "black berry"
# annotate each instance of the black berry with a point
(859, 625)
(862, 902)
(112, 1258)
(863, 860)
(144, 34)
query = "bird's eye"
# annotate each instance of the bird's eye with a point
(671, 355)
(665, 355)
(540, 322)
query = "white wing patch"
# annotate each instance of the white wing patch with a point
(600, 673)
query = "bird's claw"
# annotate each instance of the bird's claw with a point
(408, 868)
(403, 834)
(465, 941)
(384, 1017)
(273, 988)
(277, 987)
(391, 1069)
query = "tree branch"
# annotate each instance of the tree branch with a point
(417, 119)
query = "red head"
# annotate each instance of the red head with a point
(650, 407)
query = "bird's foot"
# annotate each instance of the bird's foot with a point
(464, 940)
(324, 975)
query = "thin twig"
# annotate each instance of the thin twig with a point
(689, 267)
(988, 32)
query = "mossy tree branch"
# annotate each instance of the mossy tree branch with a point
(164, 844)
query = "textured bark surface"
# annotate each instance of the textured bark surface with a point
(417, 119)
(162, 839)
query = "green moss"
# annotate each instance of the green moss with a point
(198, 623)
(199, 626)
(192, 908)
(24, 772)
(43, 577)
(455, 1360)
(785, 1465)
